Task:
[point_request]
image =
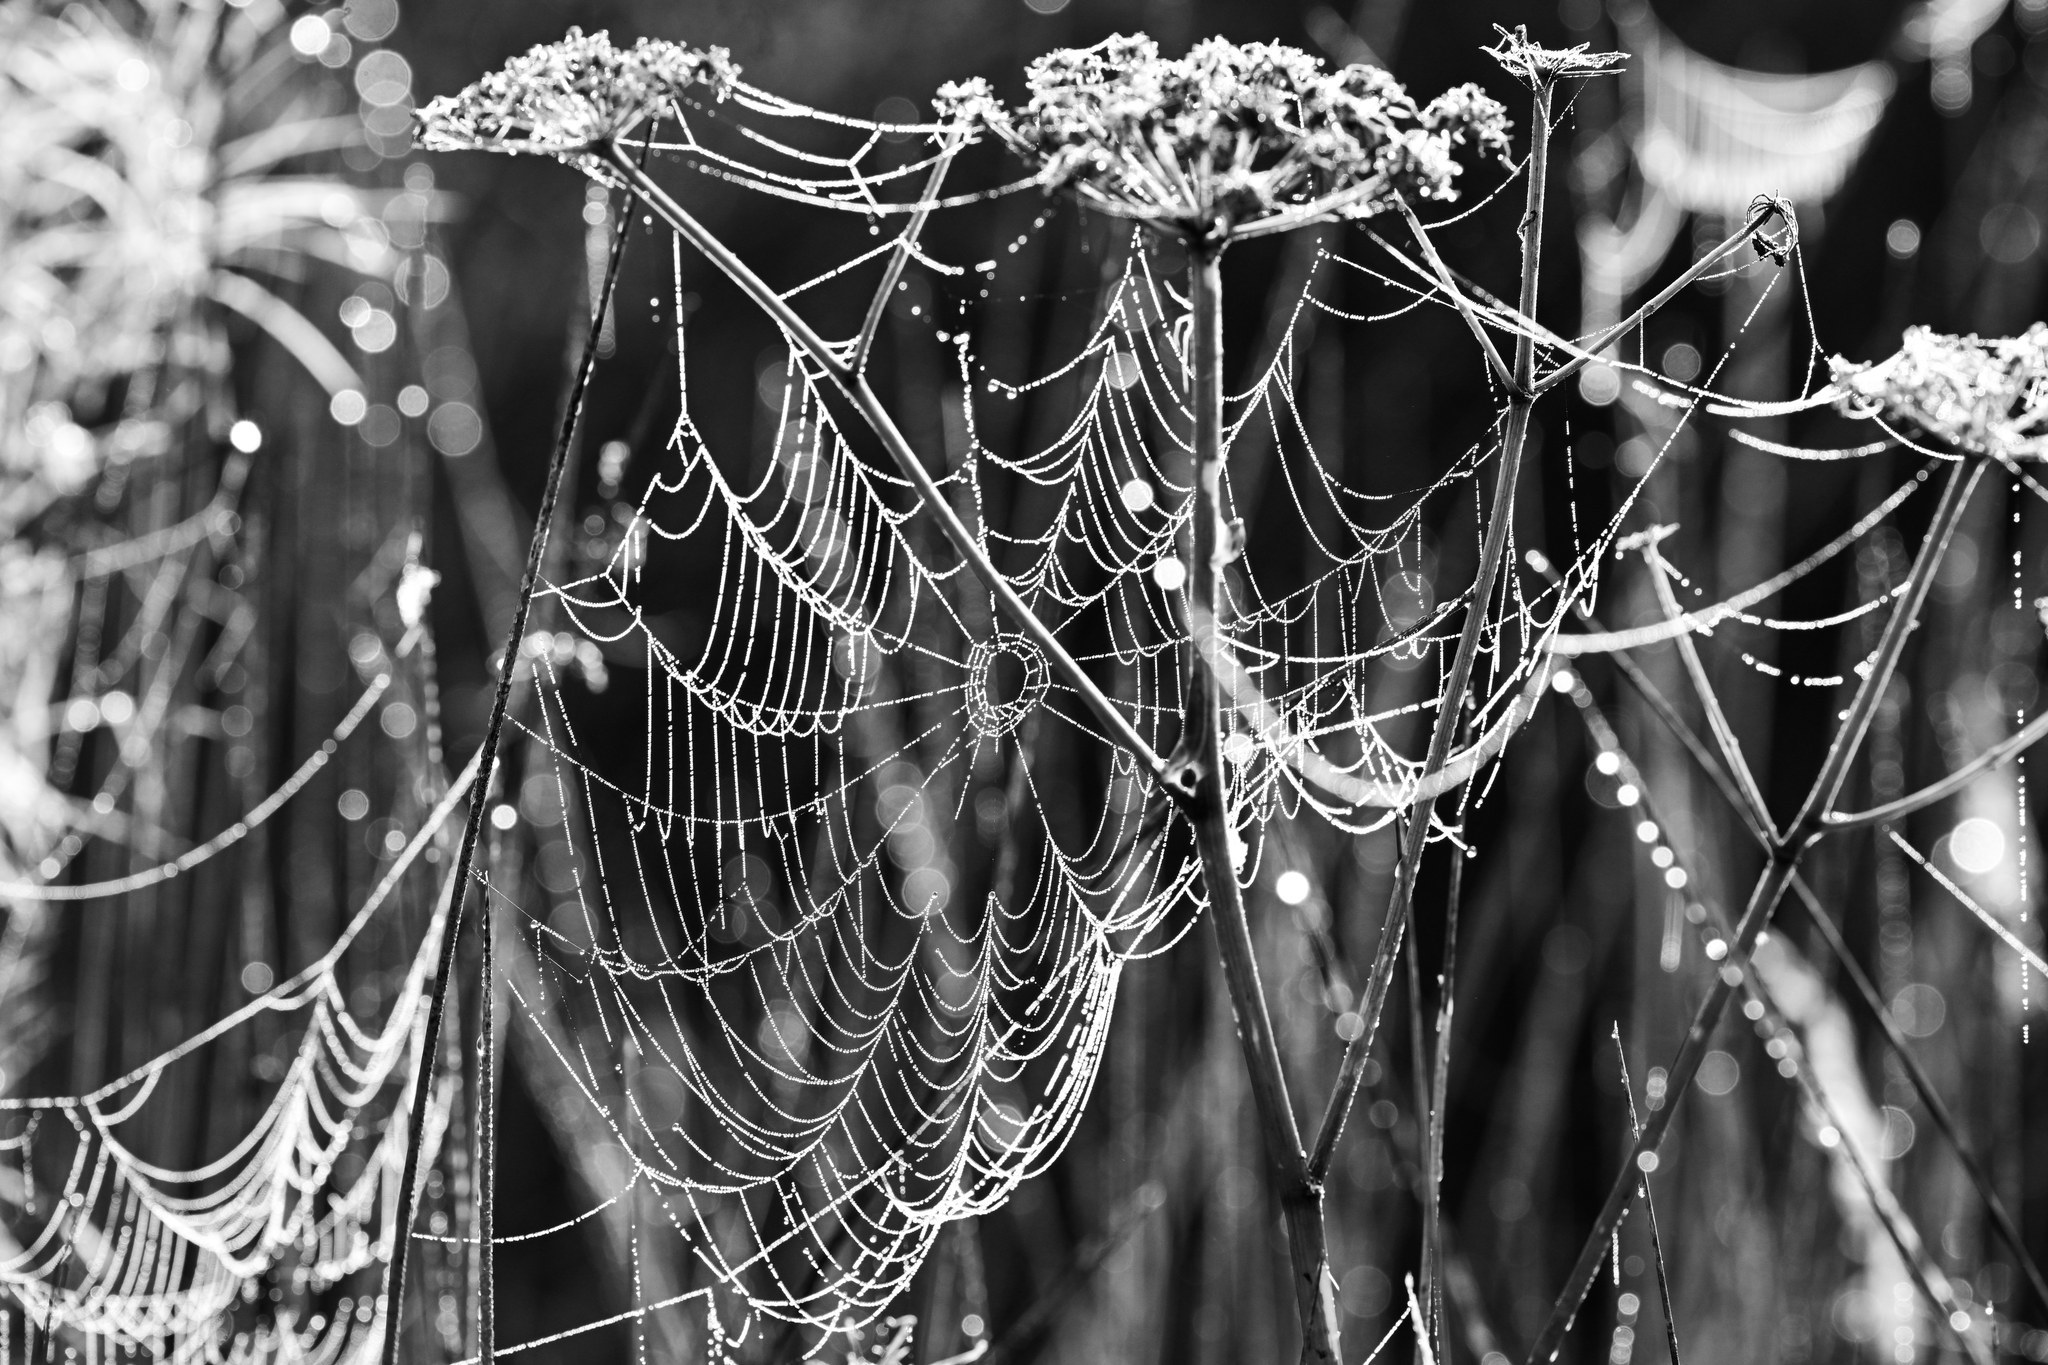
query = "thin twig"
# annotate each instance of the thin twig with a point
(1717, 720)
(465, 860)
(900, 257)
(1923, 1085)
(1969, 903)
(487, 1132)
(1649, 1207)
(1457, 296)
(1708, 760)
(1866, 990)
(1439, 1104)
(1594, 350)
(1785, 853)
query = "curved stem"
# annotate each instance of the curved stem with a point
(851, 383)
(1266, 721)
(1993, 757)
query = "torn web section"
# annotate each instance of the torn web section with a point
(133, 1225)
(846, 964)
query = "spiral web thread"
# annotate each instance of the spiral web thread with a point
(838, 952)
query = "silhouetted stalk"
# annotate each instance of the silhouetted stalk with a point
(1451, 707)
(1198, 783)
(1785, 852)
(472, 829)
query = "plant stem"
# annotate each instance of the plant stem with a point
(472, 829)
(487, 1135)
(1439, 1105)
(1451, 707)
(1785, 854)
(852, 384)
(1199, 787)
(899, 258)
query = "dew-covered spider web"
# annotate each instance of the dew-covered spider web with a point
(822, 955)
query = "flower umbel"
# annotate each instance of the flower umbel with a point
(1983, 397)
(1232, 139)
(1534, 65)
(567, 97)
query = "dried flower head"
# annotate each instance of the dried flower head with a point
(1232, 139)
(1977, 396)
(1535, 65)
(567, 97)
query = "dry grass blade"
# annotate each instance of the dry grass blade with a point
(1650, 1209)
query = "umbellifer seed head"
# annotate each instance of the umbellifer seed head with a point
(1232, 139)
(1975, 396)
(564, 98)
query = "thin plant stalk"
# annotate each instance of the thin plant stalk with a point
(1923, 1085)
(1450, 710)
(1439, 1103)
(487, 1136)
(1717, 720)
(1650, 1208)
(1786, 851)
(900, 257)
(1884, 1206)
(472, 829)
(1523, 322)
(1866, 990)
(853, 384)
(1197, 780)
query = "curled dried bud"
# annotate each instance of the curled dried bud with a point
(1774, 245)
(567, 97)
(1976, 396)
(1535, 65)
(1233, 139)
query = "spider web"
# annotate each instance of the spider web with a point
(835, 953)
(840, 943)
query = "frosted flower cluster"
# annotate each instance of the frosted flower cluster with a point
(1232, 139)
(1977, 396)
(567, 97)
